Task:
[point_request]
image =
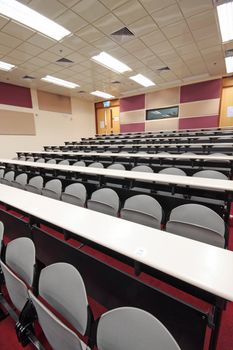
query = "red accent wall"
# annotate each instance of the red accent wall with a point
(132, 103)
(201, 91)
(15, 95)
(199, 122)
(134, 127)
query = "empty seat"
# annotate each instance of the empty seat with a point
(51, 161)
(18, 270)
(197, 222)
(1, 236)
(40, 160)
(20, 181)
(132, 329)
(211, 174)
(144, 210)
(52, 189)
(75, 194)
(116, 166)
(142, 168)
(104, 200)
(7, 178)
(64, 162)
(96, 165)
(1, 173)
(35, 184)
(172, 171)
(30, 159)
(69, 300)
(79, 163)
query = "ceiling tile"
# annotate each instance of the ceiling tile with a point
(112, 4)
(167, 15)
(69, 3)
(175, 29)
(4, 50)
(76, 57)
(41, 41)
(190, 7)
(162, 48)
(74, 42)
(202, 20)
(89, 34)
(108, 24)
(29, 48)
(143, 26)
(8, 40)
(71, 21)
(182, 40)
(50, 9)
(155, 5)
(60, 50)
(153, 38)
(20, 54)
(130, 12)
(90, 10)
(142, 54)
(3, 21)
(105, 44)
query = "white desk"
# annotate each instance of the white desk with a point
(140, 155)
(198, 264)
(195, 182)
(221, 144)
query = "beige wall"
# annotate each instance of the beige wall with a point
(51, 128)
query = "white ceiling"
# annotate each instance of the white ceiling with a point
(180, 34)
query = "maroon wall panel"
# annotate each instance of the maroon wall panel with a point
(15, 95)
(201, 91)
(199, 122)
(134, 127)
(132, 103)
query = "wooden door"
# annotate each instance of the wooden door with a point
(108, 120)
(226, 112)
(115, 111)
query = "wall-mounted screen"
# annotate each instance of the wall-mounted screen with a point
(162, 113)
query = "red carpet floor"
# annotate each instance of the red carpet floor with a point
(8, 340)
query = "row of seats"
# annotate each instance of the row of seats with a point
(193, 221)
(63, 311)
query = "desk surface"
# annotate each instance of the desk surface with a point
(140, 155)
(198, 264)
(221, 144)
(196, 182)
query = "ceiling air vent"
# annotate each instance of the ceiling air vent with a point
(163, 69)
(64, 60)
(81, 92)
(28, 77)
(122, 35)
(115, 82)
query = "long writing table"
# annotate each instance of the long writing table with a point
(199, 265)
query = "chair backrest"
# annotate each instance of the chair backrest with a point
(75, 194)
(211, 174)
(142, 168)
(9, 176)
(64, 162)
(79, 163)
(1, 173)
(172, 171)
(30, 159)
(19, 269)
(21, 179)
(22, 158)
(96, 165)
(132, 329)
(144, 210)
(197, 222)
(51, 161)
(1, 236)
(35, 184)
(40, 160)
(116, 166)
(55, 331)
(69, 297)
(104, 200)
(52, 189)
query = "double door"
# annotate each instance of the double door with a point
(108, 120)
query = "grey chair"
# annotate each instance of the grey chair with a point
(8, 178)
(104, 200)
(1, 174)
(143, 169)
(144, 210)
(30, 159)
(40, 160)
(75, 194)
(172, 171)
(35, 185)
(51, 161)
(1, 236)
(22, 158)
(116, 166)
(52, 189)
(132, 329)
(197, 222)
(211, 174)
(69, 299)
(79, 163)
(222, 155)
(20, 181)
(18, 270)
(96, 165)
(64, 162)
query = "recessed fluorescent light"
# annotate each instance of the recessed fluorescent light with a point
(140, 79)
(32, 19)
(229, 64)
(101, 94)
(110, 62)
(60, 82)
(225, 17)
(6, 66)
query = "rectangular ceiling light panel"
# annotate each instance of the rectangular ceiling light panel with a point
(111, 63)
(225, 17)
(140, 79)
(6, 66)
(32, 19)
(59, 82)
(101, 94)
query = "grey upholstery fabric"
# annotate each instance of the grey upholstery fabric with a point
(40, 160)
(79, 163)
(52, 189)
(144, 210)
(58, 335)
(211, 174)
(172, 171)
(197, 222)
(7, 178)
(51, 161)
(96, 165)
(20, 181)
(69, 297)
(30, 159)
(75, 194)
(1, 235)
(35, 184)
(132, 329)
(64, 162)
(142, 168)
(104, 201)
(1, 173)
(116, 166)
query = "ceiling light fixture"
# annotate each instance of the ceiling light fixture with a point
(140, 79)
(225, 17)
(110, 62)
(32, 19)
(59, 82)
(229, 64)
(101, 94)
(6, 66)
